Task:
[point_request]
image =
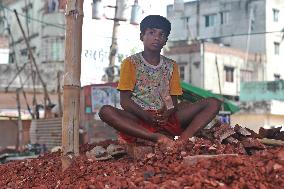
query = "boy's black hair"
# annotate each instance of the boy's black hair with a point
(155, 21)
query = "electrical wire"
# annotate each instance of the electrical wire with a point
(242, 34)
(34, 19)
(222, 36)
(46, 23)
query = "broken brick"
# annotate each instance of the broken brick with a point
(242, 131)
(138, 152)
(223, 132)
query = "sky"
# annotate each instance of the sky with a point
(96, 38)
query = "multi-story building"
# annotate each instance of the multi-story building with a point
(4, 50)
(219, 69)
(43, 23)
(245, 45)
(254, 26)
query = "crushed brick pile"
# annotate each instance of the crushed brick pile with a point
(248, 164)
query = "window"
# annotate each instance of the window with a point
(185, 22)
(224, 16)
(229, 74)
(277, 77)
(210, 20)
(275, 15)
(27, 10)
(276, 48)
(246, 75)
(52, 6)
(182, 72)
(53, 49)
(25, 52)
(12, 58)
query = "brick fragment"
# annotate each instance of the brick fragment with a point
(193, 160)
(242, 131)
(138, 152)
(231, 140)
(252, 143)
(223, 132)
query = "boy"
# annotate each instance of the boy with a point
(149, 86)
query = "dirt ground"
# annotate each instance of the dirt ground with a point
(263, 169)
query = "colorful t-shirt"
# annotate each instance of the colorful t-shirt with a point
(147, 81)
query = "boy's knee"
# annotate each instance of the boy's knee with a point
(104, 110)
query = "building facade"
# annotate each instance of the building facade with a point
(4, 50)
(254, 26)
(43, 22)
(216, 68)
(246, 39)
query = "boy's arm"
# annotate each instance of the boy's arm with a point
(175, 101)
(164, 114)
(130, 106)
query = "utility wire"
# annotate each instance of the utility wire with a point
(34, 19)
(17, 67)
(223, 36)
(242, 34)
(42, 22)
(237, 35)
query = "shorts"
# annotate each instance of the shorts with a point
(172, 128)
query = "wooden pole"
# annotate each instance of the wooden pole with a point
(218, 74)
(59, 94)
(219, 82)
(72, 85)
(20, 125)
(113, 47)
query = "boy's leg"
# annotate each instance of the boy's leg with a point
(129, 124)
(195, 116)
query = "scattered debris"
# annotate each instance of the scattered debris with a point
(206, 162)
(271, 142)
(273, 133)
(192, 160)
(98, 153)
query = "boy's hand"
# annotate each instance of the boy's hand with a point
(163, 115)
(150, 118)
(157, 119)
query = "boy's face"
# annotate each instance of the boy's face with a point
(154, 39)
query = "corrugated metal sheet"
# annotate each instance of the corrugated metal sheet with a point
(46, 131)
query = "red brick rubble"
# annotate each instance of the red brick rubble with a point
(249, 164)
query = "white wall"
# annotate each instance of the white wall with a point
(4, 56)
(97, 34)
(238, 22)
(211, 74)
(34, 28)
(274, 62)
(192, 64)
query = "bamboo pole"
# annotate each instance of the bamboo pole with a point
(71, 82)
(59, 94)
(20, 125)
(113, 47)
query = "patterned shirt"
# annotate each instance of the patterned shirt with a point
(147, 81)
